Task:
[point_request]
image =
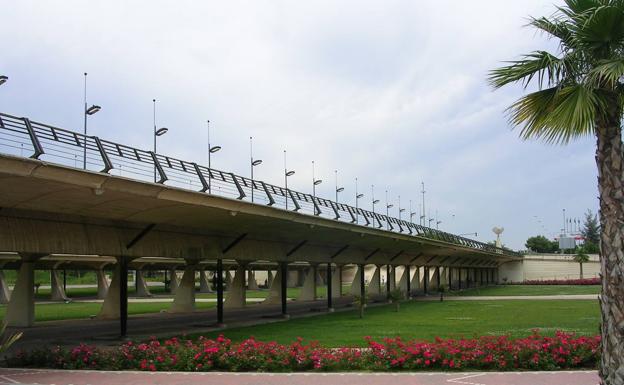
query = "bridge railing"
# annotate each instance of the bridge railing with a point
(23, 137)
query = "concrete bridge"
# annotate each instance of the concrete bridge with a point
(110, 211)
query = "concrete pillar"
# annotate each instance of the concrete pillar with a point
(204, 282)
(416, 279)
(57, 291)
(273, 298)
(374, 286)
(110, 307)
(20, 311)
(251, 280)
(102, 283)
(434, 283)
(5, 295)
(403, 282)
(184, 300)
(269, 279)
(356, 285)
(228, 279)
(393, 285)
(236, 296)
(141, 285)
(173, 281)
(308, 290)
(336, 282)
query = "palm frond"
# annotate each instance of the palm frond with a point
(548, 68)
(556, 27)
(601, 31)
(557, 114)
(607, 73)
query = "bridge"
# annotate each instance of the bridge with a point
(132, 208)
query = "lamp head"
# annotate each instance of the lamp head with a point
(3, 79)
(401, 210)
(290, 173)
(318, 182)
(214, 149)
(359, 196)
(93, 109)
(376, 201)
(340, 189)
(161, 131)
(256, 162)
(390, 206)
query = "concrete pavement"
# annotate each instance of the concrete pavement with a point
(67, 377)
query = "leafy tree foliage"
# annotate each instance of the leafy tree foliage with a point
(541, 244)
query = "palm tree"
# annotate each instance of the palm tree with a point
(580, 92)
(581, 258)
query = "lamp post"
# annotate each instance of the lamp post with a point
(338, 189)
(400, 209)
(315, 182)
(3, 79)
(157, 132)
(430, 220)
(437, 221)
(211, 150)
(375, 201)
(412, 213)
(357, 198)
(253, 163)
(88, 111)
(423, 203)
(286, 175)
(388, 207)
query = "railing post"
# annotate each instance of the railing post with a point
(33, 138)
(107, 163)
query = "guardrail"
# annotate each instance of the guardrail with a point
(21, 136)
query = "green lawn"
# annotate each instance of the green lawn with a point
(502, 290)
(426, 320)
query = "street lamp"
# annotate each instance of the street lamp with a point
(3, 79)
(211, 150)
(88, 111)
(157, 132)
(357, 198)
(412, 213)
(375, 201)
(315, 182)
(388, 207)
(286, 175)
(338, 189)
(430, 220)
(423, 203)
(253, 163)
(400, 209)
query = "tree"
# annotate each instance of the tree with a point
(581, 258)
(580, 92)
(591, 233)
(541, 244)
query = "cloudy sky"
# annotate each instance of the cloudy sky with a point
(391, 92)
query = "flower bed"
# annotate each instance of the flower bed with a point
(585, 281)
(536, 352)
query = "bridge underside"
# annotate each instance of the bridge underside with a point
(53, 216)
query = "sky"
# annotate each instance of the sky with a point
(392, 92)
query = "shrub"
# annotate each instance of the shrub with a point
(536, 352)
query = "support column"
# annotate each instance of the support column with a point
(111, 305)
(388, 286)
(330, 292)
(141, 285)
(20, 311)
(269, 278)
(102, 283)
(228, 279)
(336, 282)
(374, 286)
(184, 300)
(236, 296)
(5, 294)
(426, 280)
(284, 288)
(173, 281)
(415, 284)
(449, 271)
(56, 287)
(275, 289)
(123, 295)
(362, 282)
(355, 285)
(219, 287)
(393, 284)
(404, 282)
(204, 282)
(251, 280)
(308, 290)
(408, 282)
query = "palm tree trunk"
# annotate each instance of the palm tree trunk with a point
(609, 159)
(581, 264)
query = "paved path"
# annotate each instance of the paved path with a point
(67, 377)
(506, 297)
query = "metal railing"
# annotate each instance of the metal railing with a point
(23, 137)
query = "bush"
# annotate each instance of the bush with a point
(536, 352)
(585, 281)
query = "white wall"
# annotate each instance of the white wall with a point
(548, 266)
